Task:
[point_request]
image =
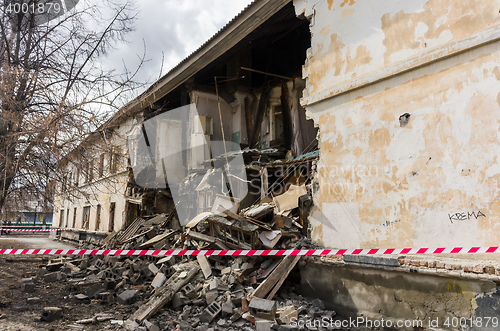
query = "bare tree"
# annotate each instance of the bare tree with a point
(53, 90)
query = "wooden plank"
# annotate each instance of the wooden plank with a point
(164, 294)
(136, 236)
(242, 219)
(200, 236)
(157, 238)
(269, 269)
(283, 277)
(268, 284)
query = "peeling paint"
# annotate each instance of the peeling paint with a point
(440, 162)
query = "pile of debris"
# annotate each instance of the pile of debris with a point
(199, 292)
(183, 293)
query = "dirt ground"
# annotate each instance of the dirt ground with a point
(17, 313)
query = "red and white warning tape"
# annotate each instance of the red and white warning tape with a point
(376, 251)
(34, 230)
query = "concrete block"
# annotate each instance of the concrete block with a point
(94, 289)
(189, 291)
(153, 268)
(214, 284)
(210, 312)
(285, 314)
(263, 308)
(27, 285)
(100, 264)
(262, 325)
(211, 296)
(126, 297)
(158, 280)
(50, 314)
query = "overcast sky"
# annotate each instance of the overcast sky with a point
(176, 28)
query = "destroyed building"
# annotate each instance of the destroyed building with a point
(247, 90)
(375, 125)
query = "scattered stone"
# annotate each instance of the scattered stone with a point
(126, 297)
(263, 308)
(210, 312)
(50, 314)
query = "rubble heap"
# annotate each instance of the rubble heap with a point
(201, 292)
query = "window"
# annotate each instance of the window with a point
(101, 165)
(67, 218)
(86, 217)
(112, 217)
(77, 176)
(113, 162)
(98, 218)
(74, 219)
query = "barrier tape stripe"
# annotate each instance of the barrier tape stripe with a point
(309, 252)
(35, 230)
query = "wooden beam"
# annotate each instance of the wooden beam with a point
(260, 115)
(283, 277)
